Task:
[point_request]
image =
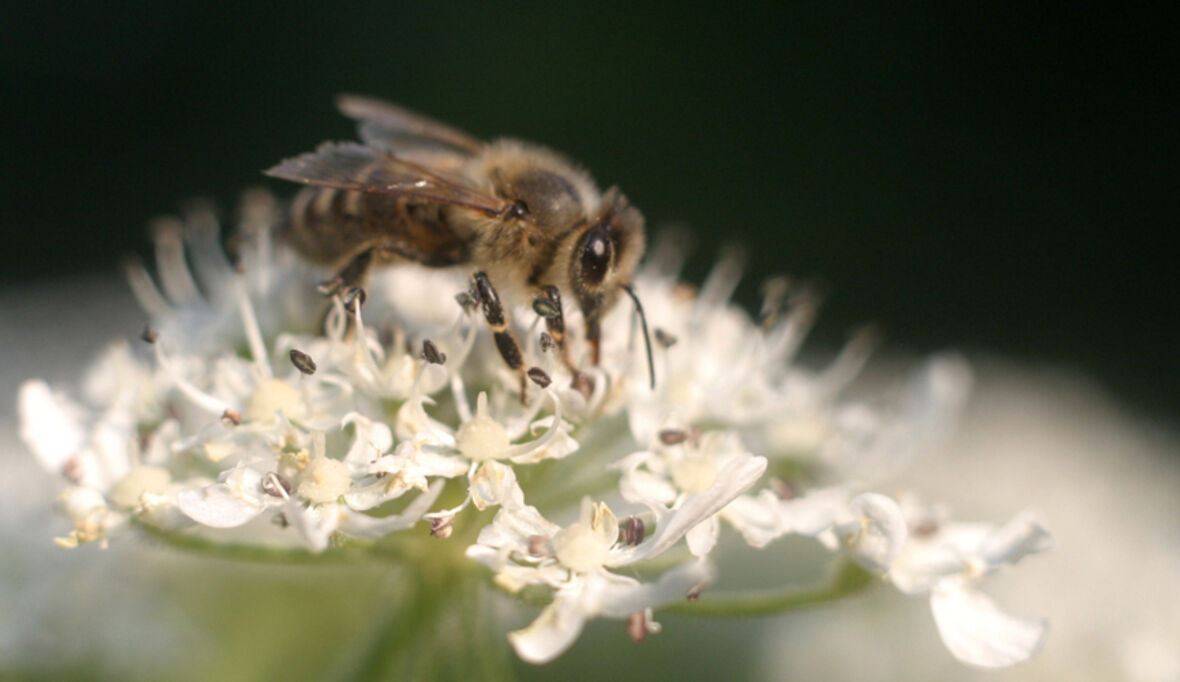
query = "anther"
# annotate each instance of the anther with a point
(275, 485)
(354, 298)
(694, 592)
(71, 470)
(302, 361)
(538, 545)
(466, 300)
(632, 531)
(774, 298)
(583, 383)
(784, 490)
(441, 526)
(665, 339)
(637, 626)
(539, 377)
(925, 528)
(231, 417)
(149, 335)
(546, 342)
(431, 353)
(673, 436)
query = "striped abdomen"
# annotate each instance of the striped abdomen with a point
(328, 225)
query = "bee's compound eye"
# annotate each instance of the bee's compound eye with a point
(597, 252)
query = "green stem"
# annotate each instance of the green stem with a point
(848, 579)
(353, 552)
(441, 629)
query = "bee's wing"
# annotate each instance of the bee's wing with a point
(352, 166)
(397, 130)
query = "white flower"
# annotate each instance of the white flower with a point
(245, 414)
(523, 548)
(681, 466)
(948, 561)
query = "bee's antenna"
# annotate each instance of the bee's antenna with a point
(651, 364)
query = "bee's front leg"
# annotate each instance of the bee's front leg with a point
(548, 305)
(506, 342)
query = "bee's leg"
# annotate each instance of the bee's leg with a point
(548, 306)
(506, 342)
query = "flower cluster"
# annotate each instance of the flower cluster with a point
(258, 411)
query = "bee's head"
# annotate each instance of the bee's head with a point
(604, 258)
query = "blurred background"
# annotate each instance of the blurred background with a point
(995, 180)
(990, 179)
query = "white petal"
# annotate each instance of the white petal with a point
(365, 526)
(922, 565)
(672, 586)
(883, 530)
(50, 424)
(604, 594)
(1013, 541)
(736, 478)
(371, 440)
(495, 484)
(315, 523)
(217, 506)
(552, 632)
(702, 538)
(756, 518)
(511, 530)
(979, 633)
(814, 511)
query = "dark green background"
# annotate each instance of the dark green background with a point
(999, 179)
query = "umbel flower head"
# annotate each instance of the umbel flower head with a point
(256, 411)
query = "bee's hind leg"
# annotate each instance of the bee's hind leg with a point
(506, 343)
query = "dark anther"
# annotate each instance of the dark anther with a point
(275, 485)
(280, 520)
(583, 383)
(466, 300)
(441, 528)
(431, 353)
(546, 342)
(231, 417)
(539, 377)
(694, 592)
(637, 626)
(673, 436)
(148, 334)
(302, 361)
(354, 298)
(665, 339)
(632, 531)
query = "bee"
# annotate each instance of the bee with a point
(528, 221)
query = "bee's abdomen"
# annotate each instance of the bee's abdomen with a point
(327, 225)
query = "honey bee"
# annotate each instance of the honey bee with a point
(528, 221)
